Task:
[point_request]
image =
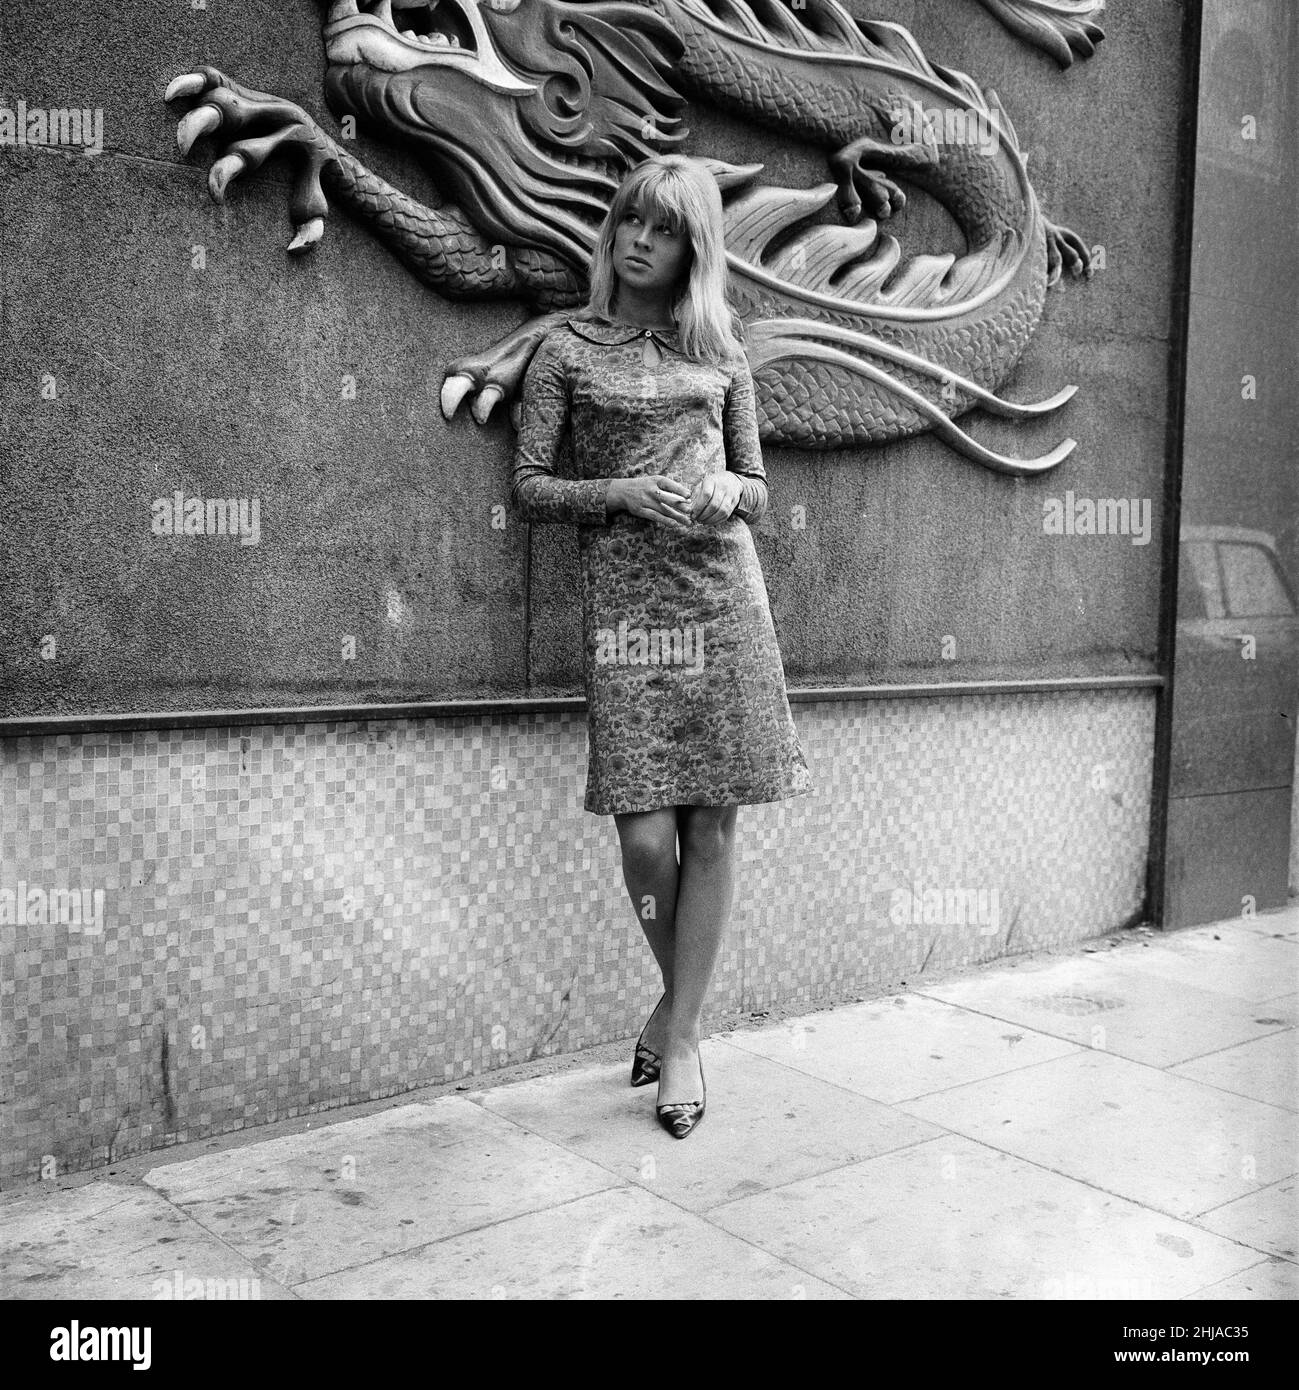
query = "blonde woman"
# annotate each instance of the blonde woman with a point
(686, 701)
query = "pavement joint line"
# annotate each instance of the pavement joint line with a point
(1134, 1201)
(1195, 1293)
(19, 1195)
(1244, 1042)
(468, 1230)
(1110, 1192)
(833, 1168)
(216, 1236)
(700, 1215)
(1244, 1244)
(994, 1076)
(1106, 1051)
(1165, 1070)
(1238, 1095)
(1046, 1168)
(1208, 1211)
(784, 1259)
(891, 1104)
(702, 1211)
(1235, 1240)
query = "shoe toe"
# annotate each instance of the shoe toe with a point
(679, 1119)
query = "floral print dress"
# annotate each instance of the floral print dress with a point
(685, 689)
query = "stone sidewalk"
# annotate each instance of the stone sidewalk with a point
(1118, 1122)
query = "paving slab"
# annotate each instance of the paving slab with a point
(766, 1124)
(954, 1219)
(900, 1047)
(1174, 1144)
(1098, 1002)
(1267, 1069)
(624, 1243)
(309, 1204)
(1223, 959)
(1267, 1220)
(108, 1240)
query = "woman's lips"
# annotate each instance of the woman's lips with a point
(638, 260)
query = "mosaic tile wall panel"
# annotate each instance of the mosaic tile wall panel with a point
(279, 919)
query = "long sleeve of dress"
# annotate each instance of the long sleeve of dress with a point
(535, 490)
(743, 451)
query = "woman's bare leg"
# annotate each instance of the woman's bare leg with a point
(650, 871)
(707, 885)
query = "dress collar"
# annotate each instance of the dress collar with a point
(611, 334)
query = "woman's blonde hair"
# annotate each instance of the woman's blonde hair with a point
(683, 193)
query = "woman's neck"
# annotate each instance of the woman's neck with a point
(642, 310)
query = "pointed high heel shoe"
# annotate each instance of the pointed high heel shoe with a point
(682, 1117)
(645, 1064)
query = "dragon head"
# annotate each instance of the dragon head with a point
(527, 112)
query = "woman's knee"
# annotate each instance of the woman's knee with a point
(708, 832)
(649, 840)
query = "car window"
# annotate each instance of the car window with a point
(1253, 584)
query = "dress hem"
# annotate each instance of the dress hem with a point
(659, 804)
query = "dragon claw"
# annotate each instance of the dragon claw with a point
(1066, 248)
(188, 84)
(228, 106)
(228, 167)
(454, 390)
(308, 234)
(863, 189)
(486, 400)
(881, 197)
(496, 374)
(203, 120)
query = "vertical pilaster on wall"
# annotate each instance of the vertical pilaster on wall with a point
(1227, 735)
(1156, 877)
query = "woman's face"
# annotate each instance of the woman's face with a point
(647, 255)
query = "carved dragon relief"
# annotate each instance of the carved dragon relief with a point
(528, 112)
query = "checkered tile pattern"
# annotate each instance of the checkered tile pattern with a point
(301, 916)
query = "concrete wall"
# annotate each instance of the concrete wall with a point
(377, 515)
(299, 916)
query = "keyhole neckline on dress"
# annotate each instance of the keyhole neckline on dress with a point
(646, 329)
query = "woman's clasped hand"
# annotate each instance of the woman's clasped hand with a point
(664, 500)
